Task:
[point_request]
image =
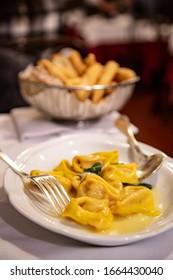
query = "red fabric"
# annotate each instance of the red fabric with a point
(169, 73)
(144, 57)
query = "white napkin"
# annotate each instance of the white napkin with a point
(30, 123)
(8, 251)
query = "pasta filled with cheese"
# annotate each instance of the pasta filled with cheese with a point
(101, 189)
(89, 211)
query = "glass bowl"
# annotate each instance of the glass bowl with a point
(61, 102)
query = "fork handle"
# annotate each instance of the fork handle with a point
(12, 164)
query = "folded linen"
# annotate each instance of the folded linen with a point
(31, 123)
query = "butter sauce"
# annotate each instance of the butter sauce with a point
(137, 222)
(131, 224)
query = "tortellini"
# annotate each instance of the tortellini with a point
(101, 189)
(125, 173)
(94, 186)
(80, 163)
(135, 200)
(89, 211)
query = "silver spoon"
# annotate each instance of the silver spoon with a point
(146, 164)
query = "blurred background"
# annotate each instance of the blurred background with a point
(136, 33)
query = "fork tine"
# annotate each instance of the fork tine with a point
(54, 191)
(53, 187)
(40, 201)
(44, 190)
(49, 185)
(60, 190)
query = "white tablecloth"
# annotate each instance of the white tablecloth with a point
(22, 239)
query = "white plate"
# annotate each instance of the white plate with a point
(48, 154)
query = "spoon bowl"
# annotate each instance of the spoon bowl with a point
(149, 165)
(146, 164)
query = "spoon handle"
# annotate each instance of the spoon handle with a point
(123, 124)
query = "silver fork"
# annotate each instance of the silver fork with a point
(53, 190)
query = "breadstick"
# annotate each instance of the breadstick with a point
(124, 73)
(109, 71)
(89, 78)
(82, 95)
(90, 59)
(52, 69)
(61, 60)
(27, 74)
(110, 90)
(43, 76)
(77, 62)
(93, 73)
(74, 81)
